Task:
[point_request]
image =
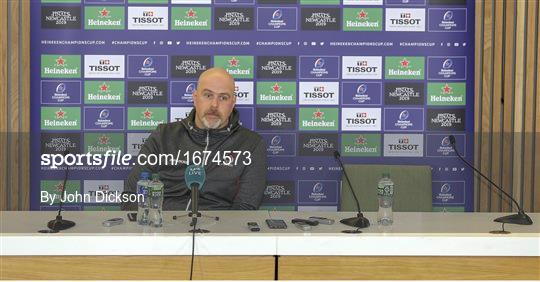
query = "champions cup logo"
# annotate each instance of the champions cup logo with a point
(445, 188)
(276, 191)
(190, 67)
(319, 63)
(190, 88)
(445, 141)
(321, 19)
(277, 15)
(276, 140)
(103, 119)
(234, 18)
(361, 90)
(60, 89)
(148, 62)
(317, 193)
(404, 115)
(447, 64)
(448, 16)
(276, 67)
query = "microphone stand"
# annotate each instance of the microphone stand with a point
(195, 214)
(59, 223)
(359, 221)
(520, 218)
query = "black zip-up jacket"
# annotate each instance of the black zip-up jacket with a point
(238, 187)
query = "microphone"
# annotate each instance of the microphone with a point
(359, 221)
(521, 217)
(195, 177)
(58, 223)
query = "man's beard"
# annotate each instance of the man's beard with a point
(211, 124)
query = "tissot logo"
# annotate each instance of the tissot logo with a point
(189, 66)
(361, 67)
(446, 120)
(60, 92)
(243, 90)
(404, 93)
(361, 119)
(283, 144)
(317, 144)
(135, 142)
(276, 67)
(148, 18)
(276, 118)
(146, 92)
(400, 119)
(320, 19)
(280, 192)
(58, 143)
(319, 93)
(179, 113)
(99, 189)
(405, 19)
(61, 17)
(182, 92)
(233, 18)
(104, 66)
(317, 191)
(403, 145)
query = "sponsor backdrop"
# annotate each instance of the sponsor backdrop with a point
(382, 81)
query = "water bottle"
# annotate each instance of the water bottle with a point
(142, 191)
(156, 201)
(385, 195)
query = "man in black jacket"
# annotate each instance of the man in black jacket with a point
(213, 125)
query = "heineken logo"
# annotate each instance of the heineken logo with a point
(104, 140)
(404, 63)
(318, 114)
(104, 13)
(446, 89)
(276, 88)
(233, 62)
(147, 114)
(60, 114)
(191, 14)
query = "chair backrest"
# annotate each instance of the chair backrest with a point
(412, 187)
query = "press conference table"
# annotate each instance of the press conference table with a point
(417, 246)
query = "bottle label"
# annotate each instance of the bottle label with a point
(143, 190)
(386, 190)
(156, 191)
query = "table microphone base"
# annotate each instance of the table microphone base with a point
(359, 221)
(519, 218)
(60, 224)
